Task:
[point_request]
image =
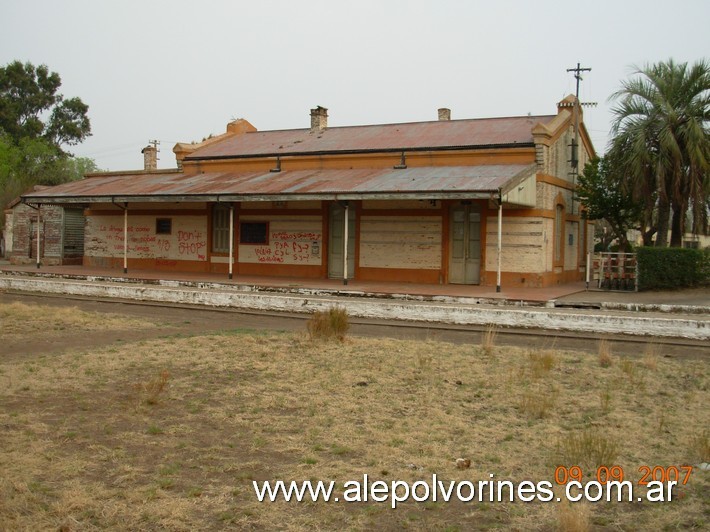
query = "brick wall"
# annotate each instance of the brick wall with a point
(24, 231)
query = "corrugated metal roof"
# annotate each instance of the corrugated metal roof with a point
(445, 134)
(450, 181)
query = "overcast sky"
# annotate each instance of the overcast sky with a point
(177, 71)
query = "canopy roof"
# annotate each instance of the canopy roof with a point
(448, 182)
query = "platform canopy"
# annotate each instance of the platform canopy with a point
(432, 182)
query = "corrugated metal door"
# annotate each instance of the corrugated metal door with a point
(73, 249)
(465, 245)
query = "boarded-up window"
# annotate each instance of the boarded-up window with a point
(220, 229)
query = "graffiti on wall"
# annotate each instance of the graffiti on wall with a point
(285, 247)
(187, 239)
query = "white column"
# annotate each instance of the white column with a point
(231, 239)
(500, 242)
(39, 221)
(125, 238)
(345, 246)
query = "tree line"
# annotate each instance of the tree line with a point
(655, 176)
(37, 124)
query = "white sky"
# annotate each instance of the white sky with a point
(177, 71)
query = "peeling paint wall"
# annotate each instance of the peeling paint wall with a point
(400, 242)
(522, 248)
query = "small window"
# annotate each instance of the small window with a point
(163, 226)
(254, 233)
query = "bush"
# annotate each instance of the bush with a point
(332, 323)
(662, 268)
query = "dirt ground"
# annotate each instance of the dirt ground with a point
(188, 320)
(131, 417)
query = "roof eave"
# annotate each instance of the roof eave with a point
(226, 198)
(319, 153)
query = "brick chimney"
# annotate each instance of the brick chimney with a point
(444, 113)
(150, 158)
(319, 119)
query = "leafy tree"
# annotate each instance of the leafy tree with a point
(35, 162)
(661, 129)
(31, 107)
(602, 190)
(36, 121)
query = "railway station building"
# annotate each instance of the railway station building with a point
(471, 201)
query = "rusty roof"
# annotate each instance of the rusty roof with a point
(324, 184)
(437, 135)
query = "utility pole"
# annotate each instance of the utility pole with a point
(156, 143)
(574, 154)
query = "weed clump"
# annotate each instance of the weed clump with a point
(541, 363)
(151, 391)
(588, 447)
(538, 403)
(700, 446)
(489, 340)
(329, 324)
(573, 517)
(605, 359)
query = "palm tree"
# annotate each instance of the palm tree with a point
(661, 130)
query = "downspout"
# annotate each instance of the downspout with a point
(231, 238)
(125, 233)
(500, 238)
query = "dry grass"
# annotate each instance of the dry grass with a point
(488, 343)
(243, 406)
(700, 445)
(651, 355)
(605, 357)
(574, 517)
(329, 324)
(19, 320)
(591, 447)
(150, 391)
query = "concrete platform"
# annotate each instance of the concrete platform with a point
(331, 286)
(450, 304)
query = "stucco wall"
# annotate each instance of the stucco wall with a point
(400, 242)
(187, 239)
(293, 239)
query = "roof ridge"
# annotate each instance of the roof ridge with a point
(416, 122)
